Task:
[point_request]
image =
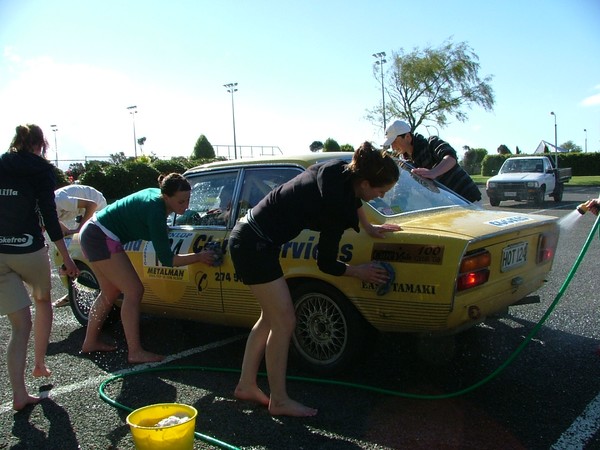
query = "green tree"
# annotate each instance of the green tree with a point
(331, 145)
(118, 158)
(166, 167)
(472, 159)
(503, 150)
(434, 84)
(203, 149)
(316, 146)
(571, 146)
(347, 148)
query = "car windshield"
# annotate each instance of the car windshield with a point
(415, 193)
(522, 166)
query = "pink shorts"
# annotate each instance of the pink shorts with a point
(32, 269)
(96, 245)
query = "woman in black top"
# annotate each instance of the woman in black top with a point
(324, 198)
(27, 184)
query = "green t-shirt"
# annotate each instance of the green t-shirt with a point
(141, 215)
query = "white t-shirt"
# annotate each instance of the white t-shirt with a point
(66, 200)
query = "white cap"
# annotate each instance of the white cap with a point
(397, 128)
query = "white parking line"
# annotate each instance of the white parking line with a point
(7, 407)
(582, 429)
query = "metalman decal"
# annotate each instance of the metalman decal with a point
(180, 242)
(408, 253)
(508, 221)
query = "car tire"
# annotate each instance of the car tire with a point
(494, 201)
(539, 197)
(558, 192)
(330, 334)
(83, 291)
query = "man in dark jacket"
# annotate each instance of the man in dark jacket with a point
(432, 158)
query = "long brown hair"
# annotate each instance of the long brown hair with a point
(28, 138)
(376, 166)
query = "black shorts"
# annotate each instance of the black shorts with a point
(256, 261)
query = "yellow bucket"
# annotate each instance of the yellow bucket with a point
(148, 436)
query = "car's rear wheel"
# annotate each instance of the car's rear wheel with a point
(558, 192)
(83, 291)
(330, 334)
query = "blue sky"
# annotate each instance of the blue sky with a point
(304, 71)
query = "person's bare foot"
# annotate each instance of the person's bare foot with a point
(142, 356)
(41, 371)
(291, 408)
(19, 404)
(90, 347)
(254, 394)
(64, 301)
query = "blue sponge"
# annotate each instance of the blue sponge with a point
(385, 287)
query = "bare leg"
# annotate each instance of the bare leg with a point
(16, 357)
(117, 275)
(97, 315)
(277, 314)
(42, 326)
(247, 389)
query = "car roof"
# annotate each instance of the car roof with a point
(303, 160)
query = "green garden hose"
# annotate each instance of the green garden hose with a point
(495, 373)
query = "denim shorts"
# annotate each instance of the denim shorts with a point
(256, 261)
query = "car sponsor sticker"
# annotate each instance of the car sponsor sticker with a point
(507, 221)
(180, 243)
(408, 253)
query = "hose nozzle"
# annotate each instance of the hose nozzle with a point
(582, 209)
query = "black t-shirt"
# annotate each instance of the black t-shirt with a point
(322, 199)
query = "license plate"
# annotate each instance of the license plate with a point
(515, 255)
(510, 194)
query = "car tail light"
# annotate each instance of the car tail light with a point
(474, 270)
(546, 247)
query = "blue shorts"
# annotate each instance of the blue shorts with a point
(256, 261)
(95, 244)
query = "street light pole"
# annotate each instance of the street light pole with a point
(133, 112)
(231, 87)
(55, 129)
(380, 63)
(555, 141)
(585, 130)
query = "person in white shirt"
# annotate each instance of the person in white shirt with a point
(72, 201)
(77, 200)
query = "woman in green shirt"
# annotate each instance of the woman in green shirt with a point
(141, 215)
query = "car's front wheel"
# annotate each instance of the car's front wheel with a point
(330, 334)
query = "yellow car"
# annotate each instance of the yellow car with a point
(455, 264)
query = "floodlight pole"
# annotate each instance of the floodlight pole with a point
(231, 87)
(133, 112)
(555, 142)
(380, 62)
(55, 129)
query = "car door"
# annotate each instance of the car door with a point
(195, 290)
(255, 182)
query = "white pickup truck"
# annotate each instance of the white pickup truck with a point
(524, 178)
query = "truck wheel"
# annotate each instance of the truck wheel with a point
(539, 197)
(494, 201)
(558, 192)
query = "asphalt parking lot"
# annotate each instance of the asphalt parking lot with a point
(547, 396)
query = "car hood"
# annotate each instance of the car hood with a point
(469, 223)
(517, 176)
